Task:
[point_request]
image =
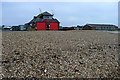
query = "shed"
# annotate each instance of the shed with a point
(100, 27)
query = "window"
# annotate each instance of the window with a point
(47, 17)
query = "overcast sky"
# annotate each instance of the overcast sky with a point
(68, 13)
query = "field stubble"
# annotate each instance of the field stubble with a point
(60, 54)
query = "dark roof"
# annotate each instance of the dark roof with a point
(49, 20)
(44, 14)
(55, 20)
(79, 26)
(39, 18)
(35, 20)
(99, 25)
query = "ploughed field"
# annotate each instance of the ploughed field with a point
(59, 54)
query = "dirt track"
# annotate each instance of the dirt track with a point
(61, 54)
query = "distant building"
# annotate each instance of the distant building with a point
(44, 21)
(100, 27)
(79, 27)
(6, 28)
(68, 28)
(15, 28)
(19, 28)
(22, 27)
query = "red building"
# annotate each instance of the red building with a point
(45, 21)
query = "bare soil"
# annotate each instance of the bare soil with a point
(60, 54)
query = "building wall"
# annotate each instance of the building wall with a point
(22, 27)
(105, 28)
(41, 26)
(15, 28)
(87, 27)
(54, 26)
